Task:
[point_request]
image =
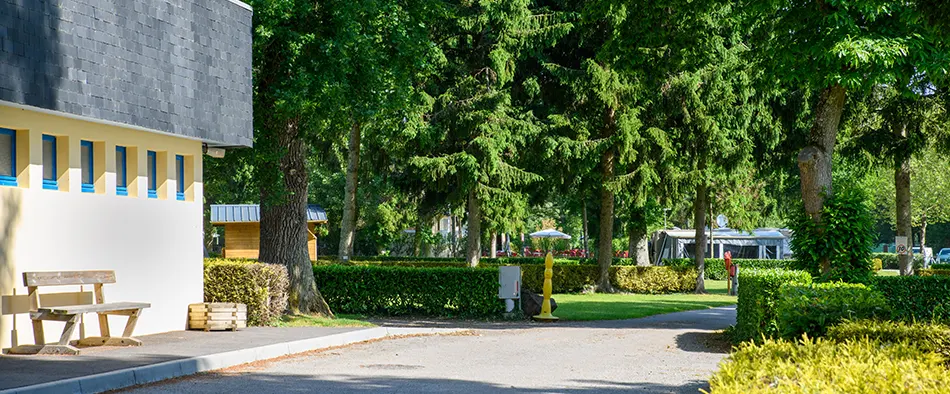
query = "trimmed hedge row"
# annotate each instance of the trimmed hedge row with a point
(812, 308)
(932, 338)
(891, 262)
(759, 291)
(643, 280)
(820, 366)
(262, 287)
(409, 261)
(571, 278)
(916, 298)
(934, 272)
(716, 268)
(938, 266)
(401, 291)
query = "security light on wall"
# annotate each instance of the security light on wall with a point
(216, 153)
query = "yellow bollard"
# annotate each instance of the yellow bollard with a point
(546, 315)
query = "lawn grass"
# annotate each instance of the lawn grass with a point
(318, 321)
(630, 306)
(888, 273)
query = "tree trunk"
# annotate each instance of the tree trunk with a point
(586, 249)
(814, 160)
(348, 221)
(473, 251)
(699, 253)
(455, 238)
(902, 193)
(605, 248)
(284, 224)
(494, 245)
(639, 247)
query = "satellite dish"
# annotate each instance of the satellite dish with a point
(721, 221)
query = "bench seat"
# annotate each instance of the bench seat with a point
(89, 308)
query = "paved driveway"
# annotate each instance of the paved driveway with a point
(661, 354)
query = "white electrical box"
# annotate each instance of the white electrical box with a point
(509, 280)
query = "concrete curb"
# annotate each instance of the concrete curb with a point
(128, 377)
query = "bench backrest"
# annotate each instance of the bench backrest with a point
(63, 278)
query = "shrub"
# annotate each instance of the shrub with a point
(262, 287)
(933, 338)
(395, 291)
(820, 366)
(892, 262)
(877, 264)
(888, 260)
(844, 238)
(916, 298)
(758, 295)
(934, 272)
(647, 280)
(812, 308)
(716, 268)
(940, 266)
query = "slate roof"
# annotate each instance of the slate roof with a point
(251, 213)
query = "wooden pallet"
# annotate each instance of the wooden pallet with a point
(210, 316)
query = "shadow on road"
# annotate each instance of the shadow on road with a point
(703, 342)
(278, 383)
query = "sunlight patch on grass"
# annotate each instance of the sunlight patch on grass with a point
(319, 321)
(630, 306)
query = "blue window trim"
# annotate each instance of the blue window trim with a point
(152, 181)
(10, 180)
(51, 184)
(122, 185)
(180, 166)
(88, 187)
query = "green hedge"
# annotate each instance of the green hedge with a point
(758, 296)
(891, 262)
(408, 261)
(938, 266)
(916, 298)
(262, 287)
(934, 272)
(716, 268)
(933, 338)
(812, 308)
(820, 366)
(644, 280)
(416, 291)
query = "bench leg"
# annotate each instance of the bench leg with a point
(125, 340)
(130, 325)
(62, 347)
(104, 325)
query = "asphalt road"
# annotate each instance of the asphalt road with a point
(673, 353)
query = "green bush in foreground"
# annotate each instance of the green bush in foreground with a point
(933, 338)
(395, 291)
(758, 296)
(812, 308)
(819, 366)
(262, 287)
(642, 280)
(716, 268)
(916, 298)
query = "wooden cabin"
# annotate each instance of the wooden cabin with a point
(242, 228)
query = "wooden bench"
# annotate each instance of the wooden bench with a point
(71, 314)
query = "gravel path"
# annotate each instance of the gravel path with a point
(673, 353)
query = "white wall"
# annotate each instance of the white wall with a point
(153, 245)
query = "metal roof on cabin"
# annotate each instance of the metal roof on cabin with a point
(251, 213)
